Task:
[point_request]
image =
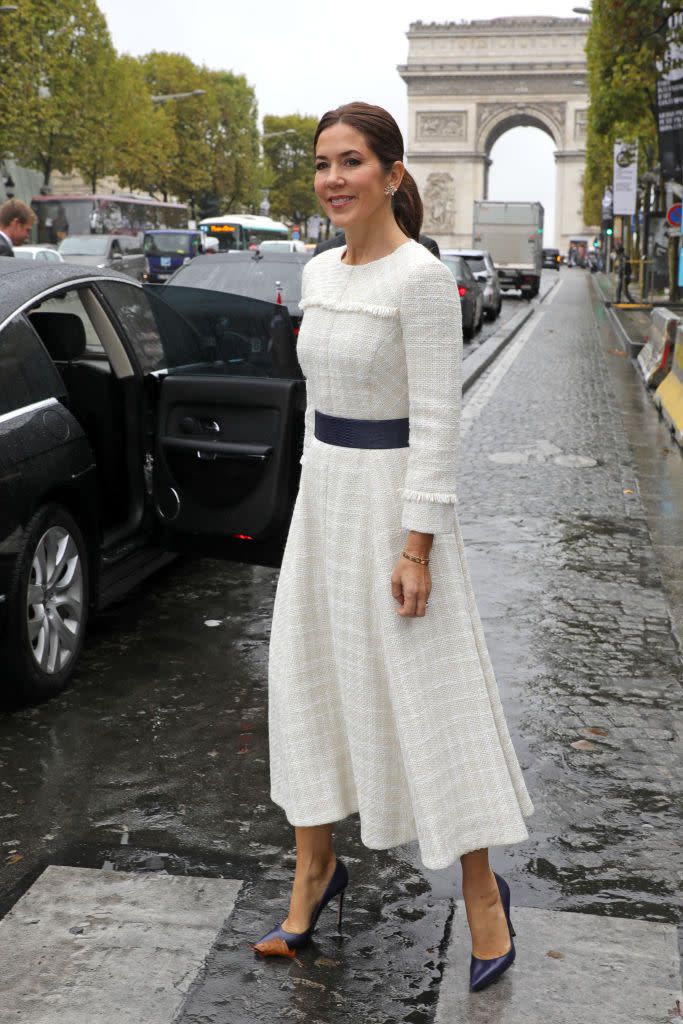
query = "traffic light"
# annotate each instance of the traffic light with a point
(609, 231)
(596, 243)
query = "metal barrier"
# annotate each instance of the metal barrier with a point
(669, 395)
(654, 359)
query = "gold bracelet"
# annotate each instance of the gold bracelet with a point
(415, 558)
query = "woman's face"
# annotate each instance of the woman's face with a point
(349, 179)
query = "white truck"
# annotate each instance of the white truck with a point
(513, 234)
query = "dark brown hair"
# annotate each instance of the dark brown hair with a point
(384, 138)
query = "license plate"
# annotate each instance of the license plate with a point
(166, 261)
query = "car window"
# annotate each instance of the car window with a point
(467, 274)
(456, 266)
(130, 305)
(131, 244)
(70, 302)
(27, 374)
(475, 263)
(52, 257)
(84, 245)
(231, 335)
(244, 275)
(277, 246)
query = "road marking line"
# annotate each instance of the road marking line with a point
(115, 947)
(483, 392)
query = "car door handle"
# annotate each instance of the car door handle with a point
(190, 425)
(212, 450)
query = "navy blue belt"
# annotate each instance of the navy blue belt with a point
(352, 433)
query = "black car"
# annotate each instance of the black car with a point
(268, 275)
(130, 428)
(470, 292)
(552, 259)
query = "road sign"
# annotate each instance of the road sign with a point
(673, 215)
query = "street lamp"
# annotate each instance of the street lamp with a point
(272, 135)
(582, 10)
(177, 95)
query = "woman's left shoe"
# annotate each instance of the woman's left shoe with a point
(278, 942)
(483, 972)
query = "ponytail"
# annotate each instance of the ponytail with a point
(407, 207)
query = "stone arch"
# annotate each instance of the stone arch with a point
(493, 124)
(470, 82)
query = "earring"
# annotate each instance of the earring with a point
(390, 190)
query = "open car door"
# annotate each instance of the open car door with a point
(229, 399)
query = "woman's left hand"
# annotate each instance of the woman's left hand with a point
(411, 585)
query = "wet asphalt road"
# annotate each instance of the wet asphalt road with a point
(156, 757)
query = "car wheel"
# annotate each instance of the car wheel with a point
(468, 330)
(48, 606)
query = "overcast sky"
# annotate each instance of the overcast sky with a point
(308, 57)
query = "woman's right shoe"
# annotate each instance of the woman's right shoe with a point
(278, 942)
(483, 972)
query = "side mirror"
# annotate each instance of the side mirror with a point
(117, 255)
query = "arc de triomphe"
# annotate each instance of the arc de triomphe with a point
(470, 82)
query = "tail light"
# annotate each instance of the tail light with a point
(242, 536)
(462, 291)
(296, 331)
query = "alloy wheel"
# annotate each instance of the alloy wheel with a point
(55, 600)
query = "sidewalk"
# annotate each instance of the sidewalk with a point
(658, 460)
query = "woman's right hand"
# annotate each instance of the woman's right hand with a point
(411, 585)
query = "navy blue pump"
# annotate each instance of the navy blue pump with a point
(483, 972)
(278, 942)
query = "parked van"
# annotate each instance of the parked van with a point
(166, 250)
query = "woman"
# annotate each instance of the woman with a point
(382, 696)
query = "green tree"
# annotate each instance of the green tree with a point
(142, 139)
(289, 164)
(626, 41)
(56, 60)
(232, 134)
(187, 174)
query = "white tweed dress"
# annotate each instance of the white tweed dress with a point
(396, 718)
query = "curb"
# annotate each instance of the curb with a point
(483, 356)
(629, 347)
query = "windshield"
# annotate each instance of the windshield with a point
(275, 246)
(171, 243)
(84, 245)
